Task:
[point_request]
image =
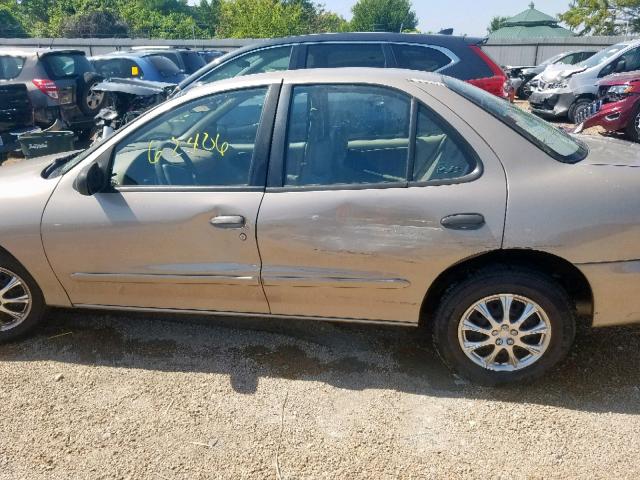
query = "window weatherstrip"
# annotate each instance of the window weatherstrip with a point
(413, 129)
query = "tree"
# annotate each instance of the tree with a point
(603, 17)
(383, 15)
(207, 15)
(94, 24)
(10, 26)
(497, 23)
(274, 18)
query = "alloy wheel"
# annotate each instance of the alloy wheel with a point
(504, 332)
(637, 123)
(94, 99)
(15, 300)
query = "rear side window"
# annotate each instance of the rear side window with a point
(118, 68)
(347, 135)
(414, 57)
(63, 66)
(333, 55)
(10, 67)
(545, 136)
(261, 61)
(165, 66)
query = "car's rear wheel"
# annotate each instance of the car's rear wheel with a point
(21, 301)
(633, 129)
(504, 326)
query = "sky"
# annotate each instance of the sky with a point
(471, 17)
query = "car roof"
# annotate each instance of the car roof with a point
(354, 75)
(438, 40)
(39, 52)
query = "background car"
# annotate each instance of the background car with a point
(141, 65)
(58, 84)
(210, 55)
(16, 111)
(618, 106)
(188, 61)
(568, 91)
(372, 195)
(459, 57)
(521, 76)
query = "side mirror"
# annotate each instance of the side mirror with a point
(621, 66)
(90, 180)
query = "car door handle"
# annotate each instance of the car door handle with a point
(463, 221)
(228, 221)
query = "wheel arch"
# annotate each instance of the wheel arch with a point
(563, 271)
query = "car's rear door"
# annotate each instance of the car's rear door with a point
(177, 229)
(371, 195)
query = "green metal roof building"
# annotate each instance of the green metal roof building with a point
(531, 23)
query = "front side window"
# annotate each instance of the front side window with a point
(440, 153)
(206, 142)
(346, 135)
(262, 61)
(339, 55)
(414, 57)
(544, 135)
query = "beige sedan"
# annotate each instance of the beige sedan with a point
(381, 196)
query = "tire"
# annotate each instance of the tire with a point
(90, 103)
(579, 105)
(33, 312)
(633, 129)
(557, 317)
(524, 92)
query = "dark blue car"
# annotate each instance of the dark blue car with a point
(153, 66)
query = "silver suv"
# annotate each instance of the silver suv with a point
(568, 90)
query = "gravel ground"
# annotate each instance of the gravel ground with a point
(95, 395)
(115, 396)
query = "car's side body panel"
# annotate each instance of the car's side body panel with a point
(585, 213)
(372, 253)
(24, 198)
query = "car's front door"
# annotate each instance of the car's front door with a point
(177, 228)
(371, 196)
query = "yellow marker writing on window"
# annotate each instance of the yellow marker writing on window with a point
(135, 71)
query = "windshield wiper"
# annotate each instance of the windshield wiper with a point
(58, 162)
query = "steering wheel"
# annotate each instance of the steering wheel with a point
(162, 163)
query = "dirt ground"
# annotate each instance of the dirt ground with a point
(116, 396)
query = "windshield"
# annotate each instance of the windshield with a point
(553, 59)
(602, 56)
(555, 142)
(166, 67)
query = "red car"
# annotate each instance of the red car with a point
(618, 105)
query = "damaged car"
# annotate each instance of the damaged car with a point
(59, 86)
(521, 76)
(568, 91)
(617, 108)
(363, 195)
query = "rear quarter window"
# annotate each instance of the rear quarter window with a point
(60, 66)
(10, 67)
(555, 142)
(416, 57)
